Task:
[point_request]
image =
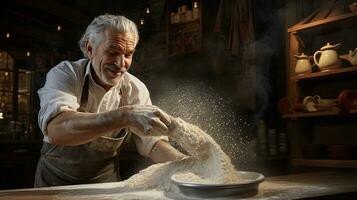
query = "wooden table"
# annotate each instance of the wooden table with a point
(317, 185)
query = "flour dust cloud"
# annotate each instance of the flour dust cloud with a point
(207, 107)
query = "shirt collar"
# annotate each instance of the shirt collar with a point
(87, 67)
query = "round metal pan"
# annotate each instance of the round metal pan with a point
(245, 188)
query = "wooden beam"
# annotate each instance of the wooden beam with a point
(57, 9)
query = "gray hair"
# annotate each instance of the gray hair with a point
(95, 30)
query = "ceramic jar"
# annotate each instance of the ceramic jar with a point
(328, 58)
(303, 64)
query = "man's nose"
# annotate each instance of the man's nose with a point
(119, 61)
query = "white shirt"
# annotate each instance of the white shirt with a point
(63, 89)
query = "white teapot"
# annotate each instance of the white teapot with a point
(352, 56)
(329, 58)
(303, 64)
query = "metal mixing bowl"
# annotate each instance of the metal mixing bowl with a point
(248, 186)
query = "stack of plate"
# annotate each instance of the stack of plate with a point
(283, 143)
(340, 152)
(261, 138)
(272, 142)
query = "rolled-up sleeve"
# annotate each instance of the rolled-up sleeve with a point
(57, 95)
(144, 144)
(139, 94)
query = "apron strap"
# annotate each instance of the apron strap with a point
(85, 91)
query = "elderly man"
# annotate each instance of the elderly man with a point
(88, 107)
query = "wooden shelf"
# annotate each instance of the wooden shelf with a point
(317, 114)
(349, 164)
(184, 37)
(326, 73)
(325, 24)
(318, 23)
(312, 114)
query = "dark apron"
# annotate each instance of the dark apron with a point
(93, 162)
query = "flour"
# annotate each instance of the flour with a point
(207, 163)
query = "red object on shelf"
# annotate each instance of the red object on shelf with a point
(285, 106)
(347, 100)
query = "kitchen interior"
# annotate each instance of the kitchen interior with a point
(272, 82)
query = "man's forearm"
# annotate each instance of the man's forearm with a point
(164, 152)
(75, 128)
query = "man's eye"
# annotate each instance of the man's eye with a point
(128, 55)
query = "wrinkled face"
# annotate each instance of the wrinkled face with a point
(112, 58)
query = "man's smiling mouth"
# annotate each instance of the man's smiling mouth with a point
(116, 72)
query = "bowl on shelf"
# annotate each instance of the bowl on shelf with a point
(309, 103)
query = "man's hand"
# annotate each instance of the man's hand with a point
(147, 119)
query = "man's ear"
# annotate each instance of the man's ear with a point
(90, 50)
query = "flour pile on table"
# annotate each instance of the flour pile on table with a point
(207, 162)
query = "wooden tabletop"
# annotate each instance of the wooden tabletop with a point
(295, 186)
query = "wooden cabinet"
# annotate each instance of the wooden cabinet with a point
(184, 27)
(322, 133)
